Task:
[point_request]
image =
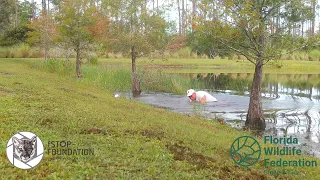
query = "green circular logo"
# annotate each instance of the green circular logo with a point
(245, 151)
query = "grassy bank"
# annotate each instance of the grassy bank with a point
(220, 66)
(131, 140)
(212, 65)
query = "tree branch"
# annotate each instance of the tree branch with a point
(248, 33)
(249, 57)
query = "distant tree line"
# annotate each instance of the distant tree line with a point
(16, 17)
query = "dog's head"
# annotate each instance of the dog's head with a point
(24, 148)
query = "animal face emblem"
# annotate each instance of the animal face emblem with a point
(24, 148)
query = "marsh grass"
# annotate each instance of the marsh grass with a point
(173, 83)
(114, 79)
(107, 78)
(6, 52)
(119, 79)
(198, 109)
(59, 66)
(20, 51)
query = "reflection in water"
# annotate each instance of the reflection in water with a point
(284, 115)
(299, 85)
(291, 103)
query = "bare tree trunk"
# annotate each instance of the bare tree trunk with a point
(255, 119)
(45, 54)
(45, 37)
(183, 19)
(152, 5)
(46, 49)
(309, 119)
(179, 16)
(17, 16)
(44, 6)
(276, 90)
(78, 63)
(310, 93)
(278, 21)
(314, 16)
(318, 18)
(302, 24)
(194, 11)
(136, 91)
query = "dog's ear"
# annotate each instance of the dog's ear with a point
(33, 140)
(16, 141)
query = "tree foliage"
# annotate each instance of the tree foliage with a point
(43, 28)
(78, 24)
(6, 11)
(133, 25)
(247, 28)
(14, 36)
(26, 12)
(73, 22)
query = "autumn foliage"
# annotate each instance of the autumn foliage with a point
(99, 28)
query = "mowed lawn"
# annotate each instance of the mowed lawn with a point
(131, 140)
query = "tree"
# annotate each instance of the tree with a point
(43, 32)
(26, 12)
(245, 28)
(206, 44)
(6, 11)
(76, 26)
(137, 31)
(14, 36)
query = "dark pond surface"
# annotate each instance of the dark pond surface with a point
(291, 104)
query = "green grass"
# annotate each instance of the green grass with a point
(213, 65)
(159, 81)
(20, 51)
(119, 79)
(107, 78)
(220, 66)
(138, 141)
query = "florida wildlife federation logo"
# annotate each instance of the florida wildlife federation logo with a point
(245, 151)
(25, 150)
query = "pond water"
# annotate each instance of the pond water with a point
(291, 104)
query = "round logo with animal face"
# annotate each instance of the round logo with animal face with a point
(245, 151)
(25, 150)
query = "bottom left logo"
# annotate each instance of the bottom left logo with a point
(25, 150)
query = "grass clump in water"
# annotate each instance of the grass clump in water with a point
(173, 83)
